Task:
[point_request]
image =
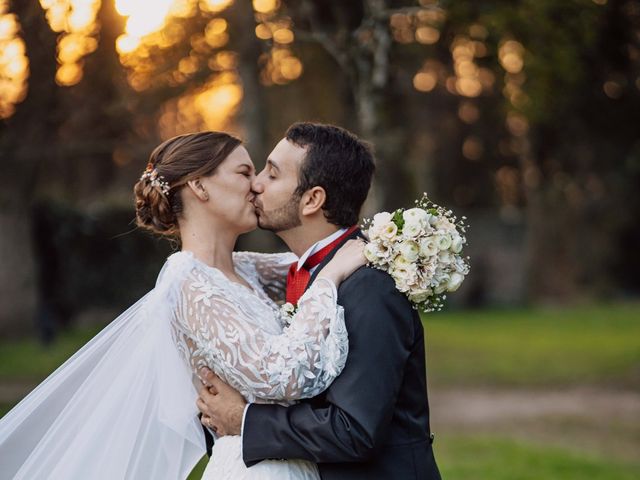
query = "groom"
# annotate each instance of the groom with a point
(373, 421)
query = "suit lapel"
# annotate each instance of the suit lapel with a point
(327, 259)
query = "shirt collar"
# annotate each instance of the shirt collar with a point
(319, 245)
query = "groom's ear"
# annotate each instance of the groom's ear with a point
(313, 200)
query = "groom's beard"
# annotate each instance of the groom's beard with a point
(282, 218)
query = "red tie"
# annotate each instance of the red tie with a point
(297, 280)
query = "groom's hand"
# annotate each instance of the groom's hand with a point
(222, 407)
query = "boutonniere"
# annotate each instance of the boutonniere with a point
(287, 312)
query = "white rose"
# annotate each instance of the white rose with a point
(388, 231)
(420, 295)
(432, 219)
(414, 215)
(400, 261)
(377, 253)
(382, 218)
(405, 272)
(373, 233)
(456, 244)
(409, 250)
(412, 230)
(401, 282)
(428, 247)
(443, 242)
(443, 223)
(454, 282)
(445, 257)
(371, 252)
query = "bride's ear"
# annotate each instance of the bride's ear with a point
(198, 189)
(313, 200)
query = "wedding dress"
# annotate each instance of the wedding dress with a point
(123, 407)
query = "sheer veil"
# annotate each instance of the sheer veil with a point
(122, 407)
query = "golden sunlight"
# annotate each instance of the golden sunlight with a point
(510, 54)
(467, 81)
(215, 6)
(211, 107)
(281, 66)
(143, 17)
(14, 64)
(266, 6)
(75, 20)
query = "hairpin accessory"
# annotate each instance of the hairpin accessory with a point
(155, 179)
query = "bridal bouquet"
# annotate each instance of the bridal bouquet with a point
(421, 248)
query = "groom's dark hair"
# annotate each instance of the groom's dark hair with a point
(337, 161)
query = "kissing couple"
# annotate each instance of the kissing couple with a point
(330, 385)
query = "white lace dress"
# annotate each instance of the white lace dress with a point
(239, 333)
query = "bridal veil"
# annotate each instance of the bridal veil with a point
(122, 407)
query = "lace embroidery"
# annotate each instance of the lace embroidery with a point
(239, 333)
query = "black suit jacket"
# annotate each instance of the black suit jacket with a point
(373, 421)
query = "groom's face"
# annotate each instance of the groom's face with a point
(277, 204)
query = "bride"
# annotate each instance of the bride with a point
(123, 407)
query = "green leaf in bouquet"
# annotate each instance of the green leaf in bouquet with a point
(398, 219)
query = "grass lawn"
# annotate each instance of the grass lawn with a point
(598, 345)
(471, 457)
(495, 458)
(542, 347)
(28, 360)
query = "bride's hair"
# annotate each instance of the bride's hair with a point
(171, 165)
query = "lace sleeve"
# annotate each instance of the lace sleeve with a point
(271, 269)
(298, 363)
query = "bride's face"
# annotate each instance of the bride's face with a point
(230, 196)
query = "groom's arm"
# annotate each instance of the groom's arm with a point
(351, 423)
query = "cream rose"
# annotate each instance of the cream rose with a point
(428, 247)
(456, 244)
(382, 218)
(443, 223)
(455, 280)
(401, 282)
(371, 252)
(400, 261)
(420, 295)
(443, 241)
(377, 253)
(445, 257)
(409, 250)
(388, 231)
(414, 215)
(412, 230)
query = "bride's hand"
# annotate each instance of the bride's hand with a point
(347, 260)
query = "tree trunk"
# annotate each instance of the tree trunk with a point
(20, 138)
(253, 116)
(18, 273)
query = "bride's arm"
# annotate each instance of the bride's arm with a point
(271, 269)
(214, 330)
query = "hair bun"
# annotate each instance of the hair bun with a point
(153, 209)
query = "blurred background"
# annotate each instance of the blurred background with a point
(523, 115)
